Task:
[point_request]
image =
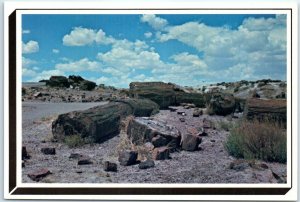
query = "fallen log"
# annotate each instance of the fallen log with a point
(272, 110)
(102, 122)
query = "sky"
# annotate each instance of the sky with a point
(189, 50)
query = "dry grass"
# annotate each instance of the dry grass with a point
(264, 140)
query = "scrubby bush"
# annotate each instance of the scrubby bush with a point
(264, 140)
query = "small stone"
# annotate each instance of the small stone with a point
(24, 153)
(181, 113)
(48, 151)
(213, 140)
(182, 119)
(75, 156)
(127, 158)
(161, 153)
(23, 164)
(110, 167)
(263, 165)
(159, 141)
(146, 164)
(39, 174)
(239, 165)
(37, 94)
(84, 161)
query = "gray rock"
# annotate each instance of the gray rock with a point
(110, 167)
(127, 158)
(146, 164)
(48, 151)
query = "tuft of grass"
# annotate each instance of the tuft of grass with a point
(225, 125)
(255, 139)
(76, 141)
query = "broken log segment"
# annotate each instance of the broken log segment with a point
(274, 110)
(143, 129)
(101, 122)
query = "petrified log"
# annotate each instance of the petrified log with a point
(141, 130)
(101, 122)
(260, 109)
(222, 104)
(165, 94)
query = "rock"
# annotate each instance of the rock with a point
(75, 156)
(142, 129)
(37, 94)
(149, 146)
(146, 164)
(172, 109)
(222, 104)
(182, 119)
(48, 151)
(164, 94)
(127, 158)
(101, 122)
(197, 113)
(264, 166)
(39, 174)
(272, 109)
(25, 155)
(190, 142)
(58, 81)
(159, 141)
(161, 153)
(192, 130)
(181, 113)
(84, 160)
(110, 167)
(239, 165)
(87, 85)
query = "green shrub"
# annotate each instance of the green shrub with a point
(75, 141)
(257, 140)
(225, 125)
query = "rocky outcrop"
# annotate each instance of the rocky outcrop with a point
(73, 81)
(222, 104)
(101, 122)
(141, 130)
(164, 94)
(273, 109)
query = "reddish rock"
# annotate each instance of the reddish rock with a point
(110, 167)
(39, 174)
(190, 142)
(127, 158)
(161, 153)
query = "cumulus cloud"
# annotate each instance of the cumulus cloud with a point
(30, 47)
(46, 74)
(155, 22)
(28, 72)
(81, 65)
(80, 36)
(56, 51)
(25, 31)
(148, 34)
(26, 62)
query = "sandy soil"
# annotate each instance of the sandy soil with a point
(211, 164)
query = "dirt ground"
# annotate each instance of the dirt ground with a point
(210, 164)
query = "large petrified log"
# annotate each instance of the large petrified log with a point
(101, 122)
(222, 104)
(165, 94)
(143, 129)
(260, 109)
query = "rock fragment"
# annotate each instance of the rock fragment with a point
(39, 174)
(161, 153)
(146, 164)
(110, 167)
(127, 158)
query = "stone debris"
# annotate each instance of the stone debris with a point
(37, 175)
(127, 158)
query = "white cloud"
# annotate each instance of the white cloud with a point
(26, 62)
(46, 74)
(26, 31)
(82, 36)
(30, 47)
(83, 64)
(148, 34)
(156, 22)
(28, 72)
(56, 51)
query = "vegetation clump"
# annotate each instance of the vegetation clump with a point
(265, 140)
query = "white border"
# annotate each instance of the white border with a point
(10, 6)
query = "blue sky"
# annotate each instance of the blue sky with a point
(185, 49)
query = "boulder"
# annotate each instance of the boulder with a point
(48, 151)
(142, 129)
(164, 94)
(161, 153)
(37, 175)
(222, 104)
(101, 122)
(146, 164)
(110, 167)
(190, 142)
(127, 158)
(273, 109)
